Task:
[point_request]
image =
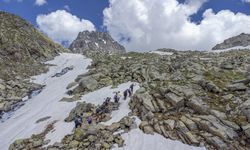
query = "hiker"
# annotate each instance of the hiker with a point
(117, 96)
(125, 94)
(89, 119)
(131, 87)
(107, 100)
(78, 121)
(98, 111)
(129, 92)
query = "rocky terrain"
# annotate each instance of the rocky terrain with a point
(198, 98)
(98, 42)
(22, 49)
(239, 40)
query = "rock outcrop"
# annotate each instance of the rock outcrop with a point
(239, 40)
(97, 42)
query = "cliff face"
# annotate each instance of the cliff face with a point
(239, 40)
(98, 42)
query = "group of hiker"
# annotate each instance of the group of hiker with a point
(106, 107)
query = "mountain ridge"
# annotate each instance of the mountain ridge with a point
(242, 39)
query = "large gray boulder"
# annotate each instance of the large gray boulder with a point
(88, 83)
(146, 100)
(175, 100)
(198, 105)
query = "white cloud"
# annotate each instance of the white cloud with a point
(246, 1)
(40, 2)
(62, 26)
(150, 24)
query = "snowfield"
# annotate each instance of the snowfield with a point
(161, 53)
(23, 122)
(229, 49)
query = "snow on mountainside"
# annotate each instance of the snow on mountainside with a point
(23, 123)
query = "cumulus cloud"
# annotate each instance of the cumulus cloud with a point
(40, 2)
(62, 26)
(150, 24)
(246, 1)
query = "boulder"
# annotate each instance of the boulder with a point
(146, 100)
(72, 84)
(198, 105)
(226, 66)
(88, 83)
(113, 127)
(146, 128)
(169, 124)
(217, 142)
(209, 86)
(246, 130)
(216, 127)
(189, 123)
(237, 87)
(175, 100)
(245, 109)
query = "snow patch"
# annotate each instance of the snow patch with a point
(23, 122)
(136, 139)
(162, 53)
(229, 49)
(97, 45)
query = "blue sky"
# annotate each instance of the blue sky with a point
(87, 9)
(134, 20)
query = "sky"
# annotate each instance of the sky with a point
(139, 25)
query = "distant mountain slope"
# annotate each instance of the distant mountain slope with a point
(96, 42)
(22, 46)
(19, 40)
(239, 40)
(22, 50)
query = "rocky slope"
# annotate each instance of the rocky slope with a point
(198, 98)
(98, 42)
(239, 40)
(22, 49)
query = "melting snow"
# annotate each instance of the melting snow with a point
(23, 122)
(229, 49)
(97, 44)
(162, 53)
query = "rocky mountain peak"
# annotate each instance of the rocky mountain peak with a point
(240, 40)
(100, 42)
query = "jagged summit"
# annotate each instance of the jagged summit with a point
(240, 40)
(95, 41)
